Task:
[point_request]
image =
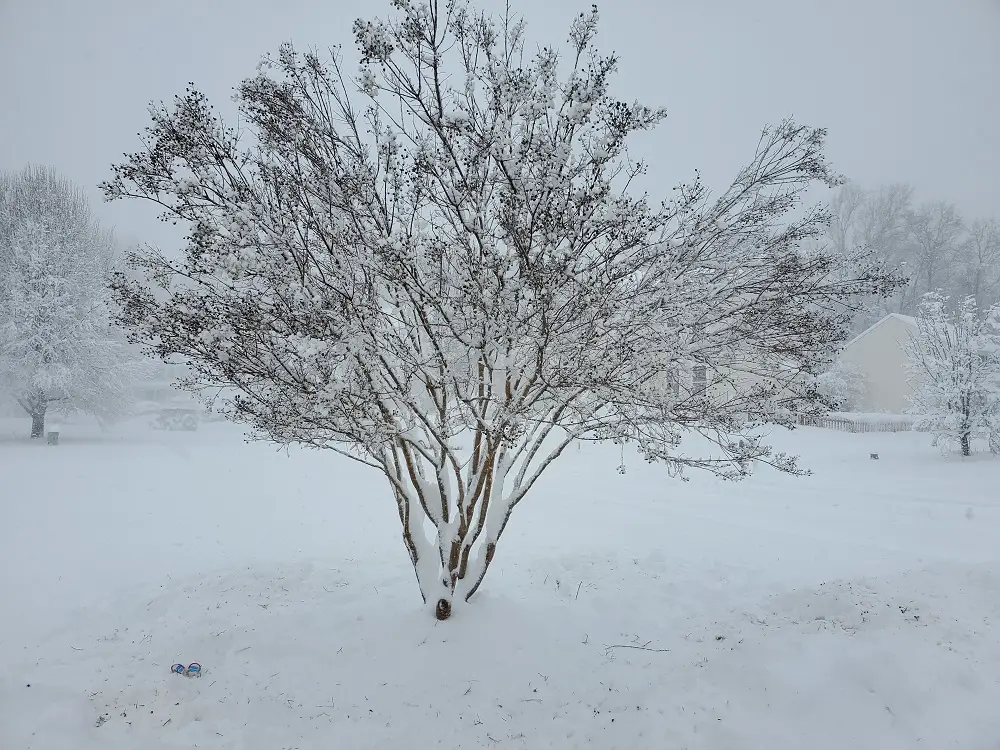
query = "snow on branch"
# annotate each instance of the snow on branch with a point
(955, 361)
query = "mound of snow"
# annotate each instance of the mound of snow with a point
(320, 656)
(857, 608)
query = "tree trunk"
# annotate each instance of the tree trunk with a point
(449, 576)
(38, 423)
(450, 564)
(965, 426)
(35, 404)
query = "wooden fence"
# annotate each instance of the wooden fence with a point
(848, 424)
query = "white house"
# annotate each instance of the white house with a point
(879, 353)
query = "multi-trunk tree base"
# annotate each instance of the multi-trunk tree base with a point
(442, 610)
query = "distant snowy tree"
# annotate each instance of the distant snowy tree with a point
(955, 359)
(59, 347)
(443, 273)
(841, 387)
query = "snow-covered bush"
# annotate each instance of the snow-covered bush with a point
(442, 272)
(955, 358)
(59, 348)
(842, 387)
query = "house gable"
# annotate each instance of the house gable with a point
(879, 353)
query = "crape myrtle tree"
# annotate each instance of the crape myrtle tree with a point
(955, 359)
(59, 347)
(440, 268)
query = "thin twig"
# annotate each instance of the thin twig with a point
(638, 648)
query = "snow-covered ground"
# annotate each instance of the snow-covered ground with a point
(857, 608)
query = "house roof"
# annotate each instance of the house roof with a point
(910, 321)
(907, 319)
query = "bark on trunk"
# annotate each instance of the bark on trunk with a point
(37, 425)
(469, 513)
(442, 610)
(966, 448)
(447, 570)
(35, 404)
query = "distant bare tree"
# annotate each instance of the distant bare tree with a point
(936, 234)
(930, 244)
(845, 232)
(980, 262)
(875, 219)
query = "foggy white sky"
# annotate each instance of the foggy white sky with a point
(910, 89)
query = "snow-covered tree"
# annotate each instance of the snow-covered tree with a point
(59, 347)
(841, 386)
(442, 271)
(955, 361)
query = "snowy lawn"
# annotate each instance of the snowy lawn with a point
(858, 608)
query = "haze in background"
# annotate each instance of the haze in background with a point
(910, 89)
